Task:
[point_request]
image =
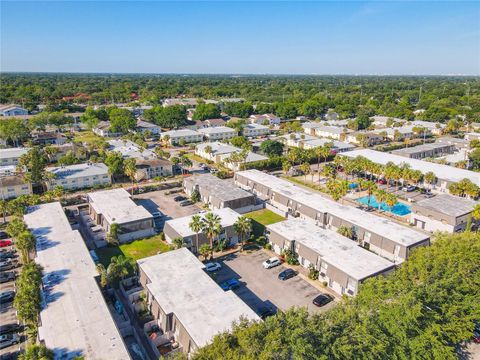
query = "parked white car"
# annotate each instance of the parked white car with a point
(212, 266)
(272, 262)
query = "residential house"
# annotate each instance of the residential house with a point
(341, 262)
(48, 138)
(186, 135)
(265, 119)
(460, 144)
(434, 128)
(218, 133)
(188, 306)
(13, 186)
(381, 236)
(11, 156)
(332, 132)
(74, 321)
(218, 194)
(362, 138)
(442, 213)
(254, 130)
(129, 149)
(103, 129)
(151, 168)
(12, 110)
(396, 133)
(115, 206)
(381, 121)
(310, 127)
(180, 228)
(79, 176)
(147, 127)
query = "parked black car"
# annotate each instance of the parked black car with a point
(7, 296)
(266, 311)
(186, 203)
(7, 276)
(322, 300)
(10, 328)
(179, 198)
(7, 255)
(287, 274)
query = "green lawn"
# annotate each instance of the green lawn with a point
(88, 137)
(135, 250)
(263, 217)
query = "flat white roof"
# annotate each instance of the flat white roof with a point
(256, 126)
(388, 229)
(448, 205)
(181, 286)
(75, 320)
(79, 170)
(324, 141)
(332, 129)
(335, 249)
(217, 130)
(443, 172)
(181, 225)
(129, 149)
(218, 147)
(117, 206)
(180, 132)
(10, 153)
(311, 125)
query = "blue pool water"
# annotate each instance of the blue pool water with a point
(353, 186)
(397, 209)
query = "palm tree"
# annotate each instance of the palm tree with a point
(243, 227)
(430, 178)
(4, 209)
(178, 242)
(25, 242)
(286, 166)
(370, 187)
(130, 170)
(381, 196)
(118, 269)
(305, 168)
(391, 200)
(196, 226)
(211, 226)
(15, 227)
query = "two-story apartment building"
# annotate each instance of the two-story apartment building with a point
(13, 186)
(218, 133)
(180, 228)
(103, 129)
(380, 235)
(186, 135)
(188, 305)
(12, 110)
(332, 132)
(151, 168)
(116, 207)
(145, 126)
(254, 130)
(341, 262)
(265, 119)
(79, 176)
(10, 156)
(442, 213)
(426, 150)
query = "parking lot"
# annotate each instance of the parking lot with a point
(7, 311)
(261, 287)
(155, 201)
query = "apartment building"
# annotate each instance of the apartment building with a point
(115, 206)
(265, 119)
(442, 213)
(150, 168)
(306, 141)
(381, 236)
(48, 138)
(145, 126)
(368, 138)
(180, 228)
(189, 307)
(426, 150)
(254, 130)
(79, 176)
(219, 153)
(103, 129)
(433, 127)
(186, 135)
(397, 133)
(310, 127)
(12, 110)
(217, 193)
(445, 174)
(332, 132)
(13, 186)
(341, 262)
(75, 320)
(472, 136)
(129, 149)
(10, 156)
(218, 133)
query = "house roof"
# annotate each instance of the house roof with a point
(447, 204)
(11, 180)
(13, 153)
(337, 250)
(75, 320)
(79, 170)
(201, 306)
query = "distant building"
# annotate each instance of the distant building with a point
(332, 132)
(10, 156)
(381, 121)
(79, 176)
(129, 149)
(472, 136)
(442, 213)
(150, 168)
(103, 129)
(341, 262)
(397, 133)
(180, 228)
(48, 138)
(358, 137)
(13, 186)
(309, 127)
(265, 119)
(426, 150)
(254, 130)
(217, 193)
(12, 110)
(144, 127)
(116, 207)
(218, 133)
(460, 144)
(188, 306)
(186, 135)
(434, 128)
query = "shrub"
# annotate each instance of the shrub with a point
(312, 272)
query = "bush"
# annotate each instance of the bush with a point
(290, 257)
(312, 272)
(268, 246)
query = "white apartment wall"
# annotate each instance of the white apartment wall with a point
(431, 225)
(11, 192)
(80, 182)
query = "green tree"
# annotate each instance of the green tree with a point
(206, 111)
(205, 250)
(130, 170)
(272, 148)
(113, 234)
(121, 120)
(243, 227)
(195, 196)
(118, 269)
(25, 242)
(345, 231)
(36, 352)
(211, 226)
(35, 162)
(178, 242)
(114, 161)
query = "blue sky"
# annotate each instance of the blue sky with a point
(242, 37)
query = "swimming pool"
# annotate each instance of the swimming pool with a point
(397, 209)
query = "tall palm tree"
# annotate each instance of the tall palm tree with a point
(130, 170)
(305, 168)
(243, 227)
(25, 242)
(430, 178)
(370, 187)
(381, 196)
(211, 226)
(196, 226)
